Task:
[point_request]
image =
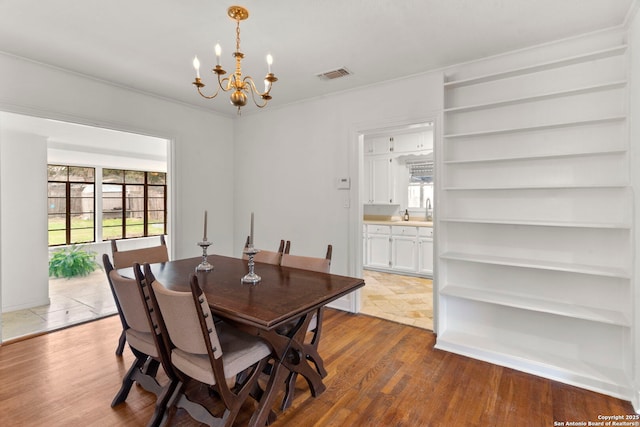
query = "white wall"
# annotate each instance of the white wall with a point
(288, 160)
(24, 226)
(201, 144)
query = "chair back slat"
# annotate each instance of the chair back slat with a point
(267, 257)
(151, 255)
(181, 319)
(322, 265)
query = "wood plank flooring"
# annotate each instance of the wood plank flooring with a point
(381, 373)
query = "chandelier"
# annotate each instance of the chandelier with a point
(239, 85)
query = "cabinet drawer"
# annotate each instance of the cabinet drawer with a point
(425, 231)
(378, 229)
(398, 230)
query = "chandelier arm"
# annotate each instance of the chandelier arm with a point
(254, 91)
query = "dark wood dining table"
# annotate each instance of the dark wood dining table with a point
(283, 297)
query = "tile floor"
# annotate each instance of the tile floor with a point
(73, 301)
(402, 299)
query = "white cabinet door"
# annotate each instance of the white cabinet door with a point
(377, 145)
(425, 255)
(404, 253)
(382, 188)
(378, 250)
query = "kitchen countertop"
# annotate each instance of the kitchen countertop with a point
(410, 223)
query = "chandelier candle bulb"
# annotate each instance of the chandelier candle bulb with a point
(269, 62)
(196, 65)
(218, 50)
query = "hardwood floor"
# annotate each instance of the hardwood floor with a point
(381, 373)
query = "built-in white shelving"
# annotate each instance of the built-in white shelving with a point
(537, 157)
(534, 68)
(558, 94)
(534, 218)
(540, 223)
(597, 270)
(536, 127)
(525, 302)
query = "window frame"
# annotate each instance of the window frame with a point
(146, 184)
(68, 214)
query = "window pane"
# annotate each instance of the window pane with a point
(135, 204)
(155, 223)
(134, 177)
(57, 205)
(113, 175)
(156, 191)
(157, 178)
(57, 172)
(78, 174)
(135, 190)
(111, 229)
(135, 225)
(57, 222)
(414, 200)
(82, 235)
(57, 237)
(57, 189)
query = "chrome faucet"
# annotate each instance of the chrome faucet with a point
(429, 215)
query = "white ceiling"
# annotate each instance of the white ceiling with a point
(149, 44)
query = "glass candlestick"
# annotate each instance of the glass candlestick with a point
(204, 265)
(251, 276)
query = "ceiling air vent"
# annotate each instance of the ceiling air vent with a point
(335, 74)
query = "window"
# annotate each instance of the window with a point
(71, 204)
(134, 204)
(420, 191)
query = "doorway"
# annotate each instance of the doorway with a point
(397, 201)
(42, 304)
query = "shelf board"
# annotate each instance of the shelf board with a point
(541, 223)
(536, 127)
(537, 187)
(524, 302)
(538, 157)
(591, 56)
(594, 270)
(536, 360)
(533, 98)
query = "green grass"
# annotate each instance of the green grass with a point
(82, 229)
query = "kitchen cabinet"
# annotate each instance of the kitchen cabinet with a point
(411, 142)
(399, 249)
(379, 180)
(404, 253)
(378, 246)
(425, 251)
(377, 145)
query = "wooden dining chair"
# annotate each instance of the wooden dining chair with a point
(217, 355)
(125, 259)
(143, 341)
(322, 265)
(269, 257)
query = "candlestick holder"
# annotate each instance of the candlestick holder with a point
(251, 276)
(204, 265)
